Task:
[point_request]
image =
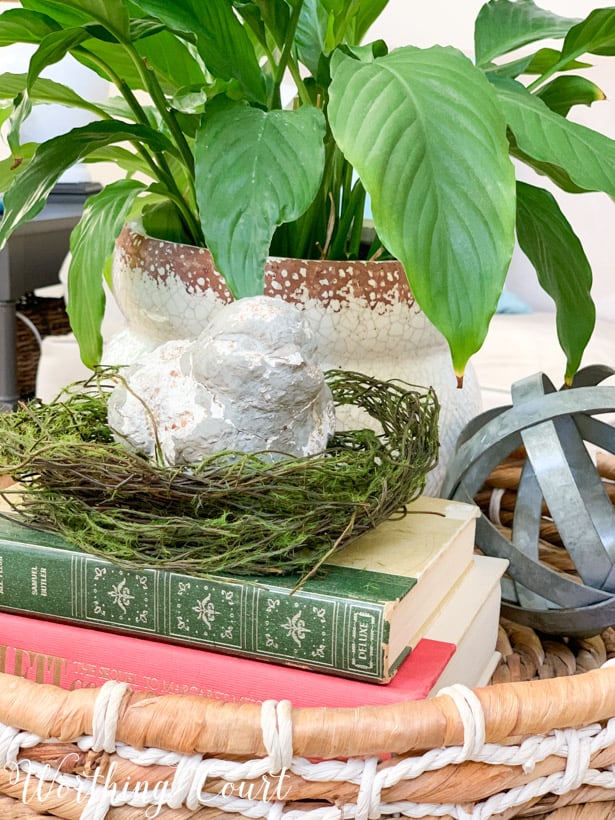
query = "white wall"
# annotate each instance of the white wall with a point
(450, 22)
(47, 121)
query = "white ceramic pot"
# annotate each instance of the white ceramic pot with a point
(363, 313)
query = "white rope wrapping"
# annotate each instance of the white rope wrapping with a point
(277, 726)
(472, 717)
(276, 811)
(577, 760)
(11, 741)
(284, 711)
(106, 714)
(98, 805)
(183, 780)
(101, 800)
(141, 757)
(205, 769)
(495, 505)
(368, 798)
(188, 787)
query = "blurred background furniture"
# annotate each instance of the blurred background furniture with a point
(31, 260)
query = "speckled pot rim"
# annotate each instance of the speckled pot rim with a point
(375, 283)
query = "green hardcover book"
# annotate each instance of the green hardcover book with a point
(356, 620)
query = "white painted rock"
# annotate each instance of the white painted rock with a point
(250, 382)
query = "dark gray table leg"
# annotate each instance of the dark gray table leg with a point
(8, 357)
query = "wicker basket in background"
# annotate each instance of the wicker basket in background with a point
(37, 317)
(526, 653)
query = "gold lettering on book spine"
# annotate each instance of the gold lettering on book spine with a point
(32, 665)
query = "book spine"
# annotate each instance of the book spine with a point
(322, 632)
(75, 657)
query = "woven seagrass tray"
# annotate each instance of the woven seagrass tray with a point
(538, 742)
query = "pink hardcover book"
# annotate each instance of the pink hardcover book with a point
(75, 657)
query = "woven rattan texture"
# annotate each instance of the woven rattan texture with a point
(514, 750)
(526, 654)
(49, 317)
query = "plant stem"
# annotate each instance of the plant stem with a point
(159, 168)
(554, 69)
(151, 82)
(274, 101)
(304, 95)
(132, 101)
(285, 57)
(350, 223)
(159, 100)
(540, 80)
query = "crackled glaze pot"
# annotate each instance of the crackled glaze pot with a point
(362, 312)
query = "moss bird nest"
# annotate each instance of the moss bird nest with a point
(232, 512)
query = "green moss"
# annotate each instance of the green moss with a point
(232, 512)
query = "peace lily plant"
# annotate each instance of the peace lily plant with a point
(210, 155)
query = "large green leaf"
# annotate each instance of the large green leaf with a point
(20, 113)
(128, 161)
(163, 51)
(64, 14)
(504, 25)
(311, 34)
(586, 156)
(325, 24)
(547, 239)
(5, 113)
(274, 15)
(112, 15)
(367, 14)
(117, 108)
(549, 169)
(222, 41)
(98, 55)
(161, 219)
(23, 26)
(562, 93)
(425, 134)
(349, 21)
(91, 243)
(254, 171)
(27, 195)
(44, 91)
(172, 61)
(335, 7)
(543, 61)
(10, 167)
(595, 35)
(53, 48)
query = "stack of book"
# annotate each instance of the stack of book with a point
(407, 605)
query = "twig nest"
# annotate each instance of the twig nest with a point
(249, 383)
